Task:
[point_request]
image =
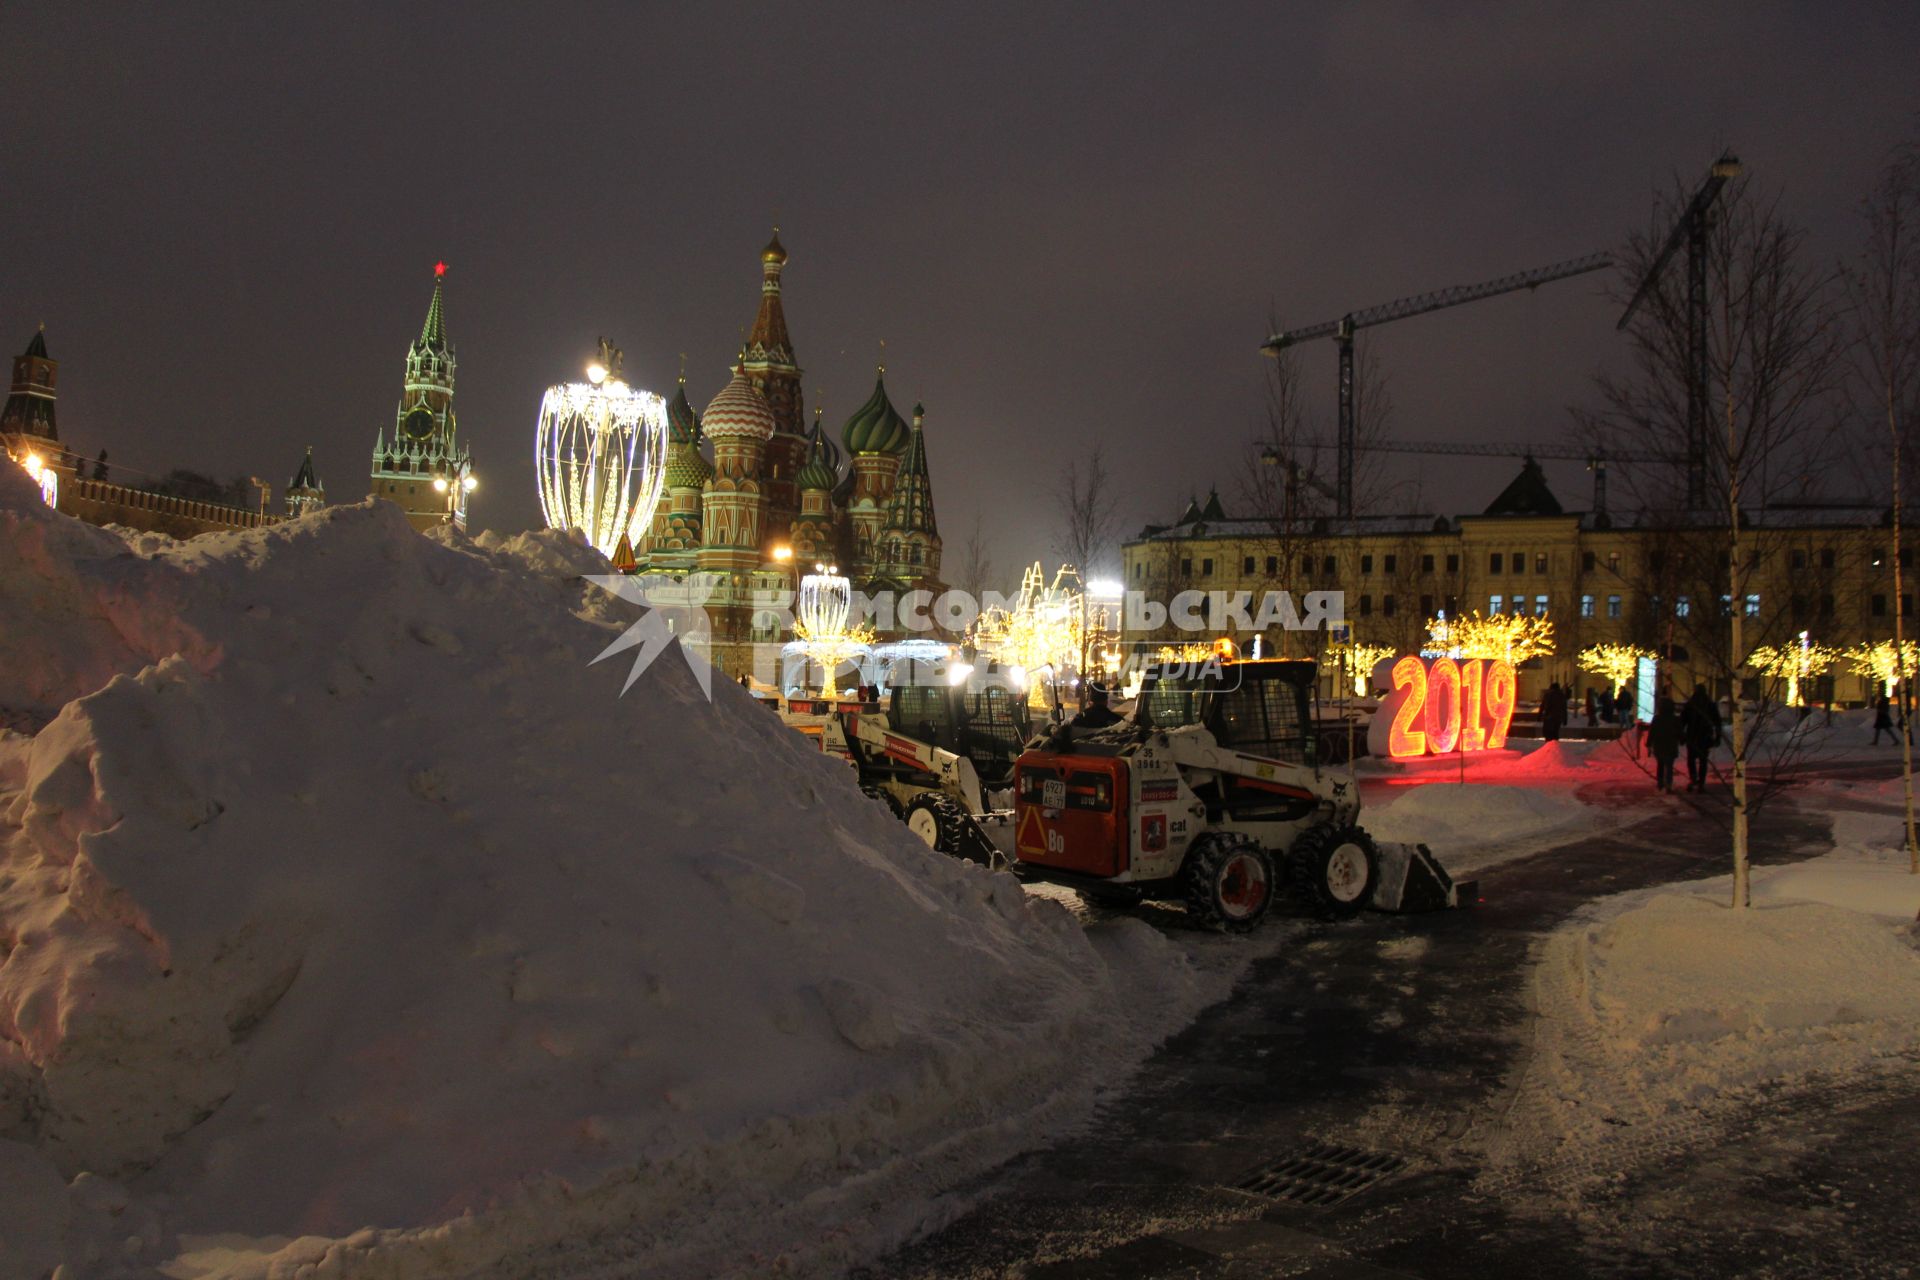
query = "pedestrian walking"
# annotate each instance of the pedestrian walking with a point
(1623, 707)
(1593, 712)
(1883, 721)
(1663, 743)
(1553, 712)
(1700, 727)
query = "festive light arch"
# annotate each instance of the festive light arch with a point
(598, 454)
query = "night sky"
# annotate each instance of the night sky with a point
(1068, 224)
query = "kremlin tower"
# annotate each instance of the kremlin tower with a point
(422, 468)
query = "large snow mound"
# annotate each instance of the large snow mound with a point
(349, 917)
(1659, 1012)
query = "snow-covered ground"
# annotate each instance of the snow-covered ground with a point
(1660, 1010)
(352, 925)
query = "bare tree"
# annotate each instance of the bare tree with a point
(973, 573)
(1281, 483)
(1772, 362)
(1883, 290)
(1087, 511)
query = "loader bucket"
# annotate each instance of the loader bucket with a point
(1410, 878)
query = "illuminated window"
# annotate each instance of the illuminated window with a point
(1613, 606)
(1494, 603)
(1681, 608)
(1753, 606)
(1539, 606)
(1586, 606)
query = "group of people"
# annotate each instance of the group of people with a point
(1694, 725)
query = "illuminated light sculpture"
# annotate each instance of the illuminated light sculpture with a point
(1616, 663)
(1045, 626)
(599, 455)
(821, 629)
(1359, 660)
(1439, 705)
(1795, 663)
(1880, 661)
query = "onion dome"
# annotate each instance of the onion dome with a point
(738, 411)
(687, 468)
(775, 254)
(682, 426)
(876, 427)
(822, 469)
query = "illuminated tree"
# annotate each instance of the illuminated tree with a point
(822, 611)
(1884, 662)
(1045, 627)
(1510, 637)
(1615, 662)
(1793, 663)
(1360, 659)
(599, 455)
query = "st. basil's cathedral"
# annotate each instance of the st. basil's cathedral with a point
(778, 496)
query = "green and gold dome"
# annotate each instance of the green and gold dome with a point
(876, 426)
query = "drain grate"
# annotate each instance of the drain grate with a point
(1320, 1176)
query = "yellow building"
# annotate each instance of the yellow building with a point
(1661, 584)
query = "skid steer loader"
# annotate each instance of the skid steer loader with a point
(1210, 792)
(939, 752)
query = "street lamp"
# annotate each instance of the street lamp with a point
(456, 484)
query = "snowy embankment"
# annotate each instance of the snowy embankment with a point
(1510, 804)
(1659, 1011)
(349, 919)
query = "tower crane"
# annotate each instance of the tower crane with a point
(1692, 227)
(1343, 329)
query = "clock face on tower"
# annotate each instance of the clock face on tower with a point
(419, 423)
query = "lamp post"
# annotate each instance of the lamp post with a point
(456, 483)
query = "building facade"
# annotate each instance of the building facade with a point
(422, 467)
(756, 496)
(1660, 584)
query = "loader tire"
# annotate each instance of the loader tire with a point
(1333, 869)
(945, 825)
(1230, 882)
(885, 797)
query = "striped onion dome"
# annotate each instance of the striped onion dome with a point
(876, 426)
(738, 410)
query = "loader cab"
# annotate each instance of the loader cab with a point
(981, 715)
(1262, 708)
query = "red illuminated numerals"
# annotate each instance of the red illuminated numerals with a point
(1443, 706)
(1403, 739)
(1499, 703)
(1473, 730)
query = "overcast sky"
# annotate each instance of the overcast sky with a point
(1069, 224)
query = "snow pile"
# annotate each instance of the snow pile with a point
(1662, 1010)
(349, 918)
(1868, 871)
(1469, 826)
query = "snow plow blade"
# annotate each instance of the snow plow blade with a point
(1412, 879)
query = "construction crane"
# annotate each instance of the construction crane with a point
(1692, 228)
(1343, 329)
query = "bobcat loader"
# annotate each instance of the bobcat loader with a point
(1210, 793)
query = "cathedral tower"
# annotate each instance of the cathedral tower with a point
(422, 468)
(27, 420)
(305, 492)
(769, 365)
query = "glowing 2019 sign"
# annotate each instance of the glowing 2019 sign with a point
(1441, 705)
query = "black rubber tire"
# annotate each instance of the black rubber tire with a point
(1326, 887)
(885, 797)
(1229, 880)
(953, 828)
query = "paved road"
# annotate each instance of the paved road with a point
(1396, 1035)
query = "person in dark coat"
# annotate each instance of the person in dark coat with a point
(1663, 743)
(1096, 714)
(1883, 721)
(1700, 727)
(1623, 707)
(1593, 712)
(1553, 711)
